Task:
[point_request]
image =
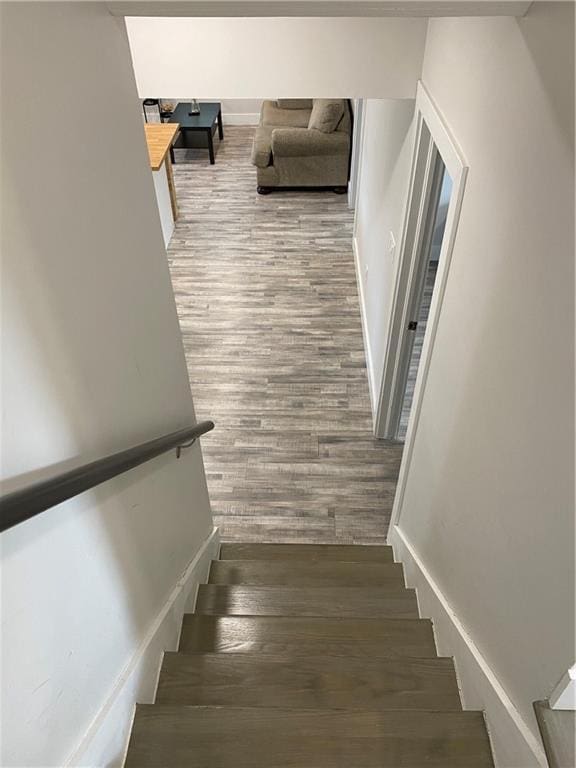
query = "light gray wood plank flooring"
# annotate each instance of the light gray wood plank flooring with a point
(266, 295)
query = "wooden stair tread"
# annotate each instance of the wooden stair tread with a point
(320, 573)
(316, 682)
(307, 552)
(558, 731)
(303, 636)
(369, 602)
(230, 737)
(300, 656)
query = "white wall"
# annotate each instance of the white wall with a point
(488, 511)
(240, 111)
(92, 363)
(234, 111)
(357, 107)
(386, 155)
(277, 57)
(164, 202)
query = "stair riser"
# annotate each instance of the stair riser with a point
(265, 573)
(303, 637)
(345, 602)
(318, 682)
(307, 553)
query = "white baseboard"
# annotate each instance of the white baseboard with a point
(240, 118)
(105, 741)
(365, 331)
(514, 742)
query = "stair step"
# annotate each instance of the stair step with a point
(314, 574)
(309, 552)
(298, 636)
(229, 737)
(345, 602)
(247, 680)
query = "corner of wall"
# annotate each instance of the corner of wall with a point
(372, 387)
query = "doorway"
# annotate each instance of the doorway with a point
(425, 279)
(435, 193)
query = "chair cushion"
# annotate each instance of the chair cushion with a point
(326, 114)
(294, 103)
(272, 115)
(262, 147)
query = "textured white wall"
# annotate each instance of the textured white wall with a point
(387, 144)
(277, 57)
(489, 503)
(92, 363)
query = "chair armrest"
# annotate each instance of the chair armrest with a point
(308, 142)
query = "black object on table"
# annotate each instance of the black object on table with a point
(197, 131)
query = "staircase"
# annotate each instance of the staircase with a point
(311, 657)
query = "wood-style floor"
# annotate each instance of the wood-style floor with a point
(268, 306)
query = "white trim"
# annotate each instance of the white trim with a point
(240, 118)
(514, 742)
(372, 389)
(365, 328)
(106, 739)
(356, 154)
(452, 155)
(564, 695)
(408, 271)
(456, 166)
(381, 417)
(361, 138)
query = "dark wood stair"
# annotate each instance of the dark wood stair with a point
(246, 680)
(308, 636)
(314, 574)
(341, 553)
(345, 602)
(311, 657)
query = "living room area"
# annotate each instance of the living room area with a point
(296, 145)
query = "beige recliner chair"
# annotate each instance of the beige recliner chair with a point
(303, 143)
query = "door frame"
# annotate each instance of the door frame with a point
(411, 276)
(432, 134)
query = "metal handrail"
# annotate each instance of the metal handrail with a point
(18, 506)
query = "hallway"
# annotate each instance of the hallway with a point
(267, 301)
